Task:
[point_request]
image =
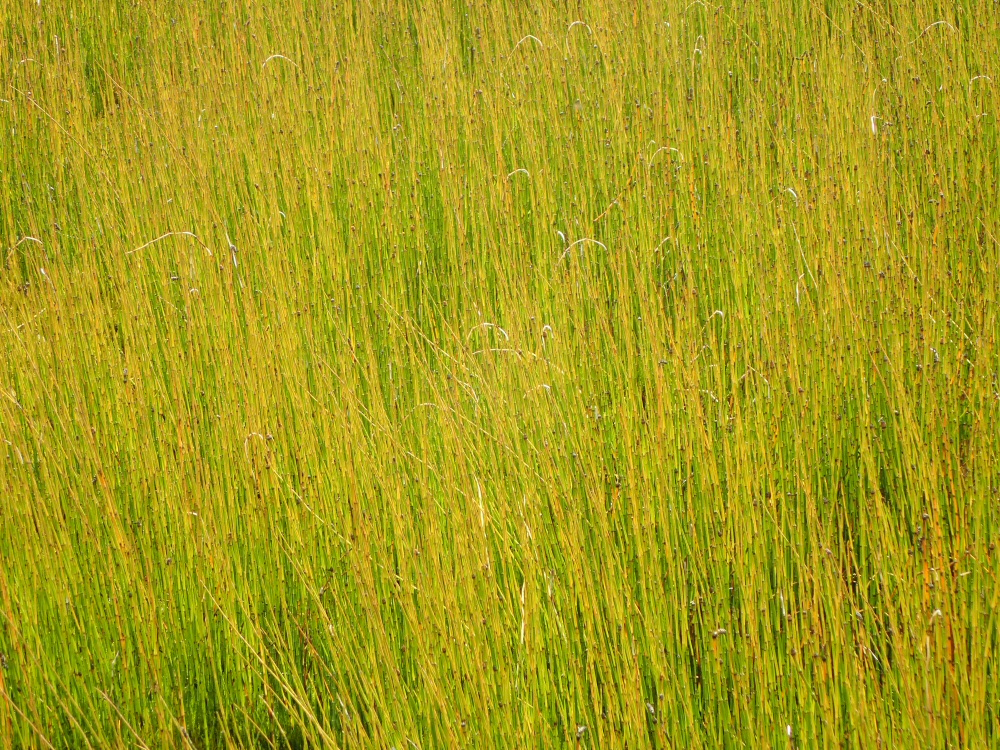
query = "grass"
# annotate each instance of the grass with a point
(491, 375)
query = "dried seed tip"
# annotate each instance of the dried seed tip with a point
(578, 242)
(487, 325)
(533, 38)
(521, 169)
(170, 234)
(936, 23)
(978, 78)
(649, 162)
(278, 57)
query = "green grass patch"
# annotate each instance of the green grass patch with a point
(499, 375)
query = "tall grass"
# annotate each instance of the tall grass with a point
(493, 375)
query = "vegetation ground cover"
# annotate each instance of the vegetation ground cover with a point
(499, 374)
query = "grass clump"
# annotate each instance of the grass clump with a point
(496, 375)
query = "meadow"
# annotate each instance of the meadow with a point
(499, 375)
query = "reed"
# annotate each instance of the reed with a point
(423, 375)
